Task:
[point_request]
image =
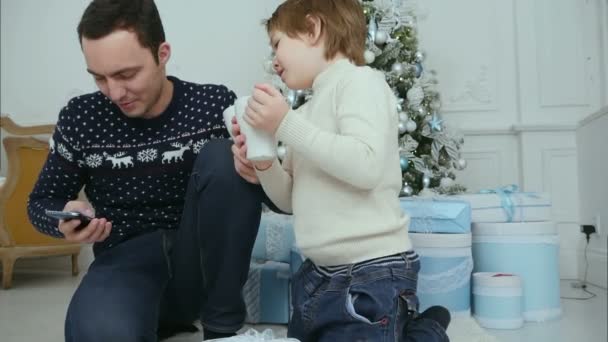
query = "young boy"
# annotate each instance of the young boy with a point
(341, 180)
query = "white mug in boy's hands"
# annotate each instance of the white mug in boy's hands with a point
(260, 145)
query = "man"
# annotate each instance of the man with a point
(174, 224)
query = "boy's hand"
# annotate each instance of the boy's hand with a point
(239, 149)
(266, 108)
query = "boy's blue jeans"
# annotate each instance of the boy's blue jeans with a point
(375, 303)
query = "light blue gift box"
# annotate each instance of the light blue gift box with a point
(266, 293)
(275, 238)
(437, 215)
(446, 264)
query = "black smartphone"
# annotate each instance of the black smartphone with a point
(70, 215)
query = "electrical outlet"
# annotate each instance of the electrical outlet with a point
(597, 224)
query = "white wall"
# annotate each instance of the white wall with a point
(42, 65)
(593, 168)
(515, 75)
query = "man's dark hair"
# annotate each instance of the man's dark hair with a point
(103, 17)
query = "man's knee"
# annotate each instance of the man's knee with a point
(215, 156)
(94, 324)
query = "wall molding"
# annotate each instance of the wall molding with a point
(603, 111)
(518, 129)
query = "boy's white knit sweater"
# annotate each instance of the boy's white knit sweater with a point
(341, 176)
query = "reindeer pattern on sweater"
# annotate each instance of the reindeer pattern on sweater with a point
(134, 171)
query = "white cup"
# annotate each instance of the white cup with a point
(260, 145)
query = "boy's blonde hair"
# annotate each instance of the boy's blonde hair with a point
(342, 24)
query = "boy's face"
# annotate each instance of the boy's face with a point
(127, 73)
(297, 61)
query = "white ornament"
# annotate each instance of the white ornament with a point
(397, 68)
(369, 56)
(426, 181)
(446, 182)
(461, 164)
(402, 127)
(403, 117)
(415, 95)
(411, 126)
(381, 38)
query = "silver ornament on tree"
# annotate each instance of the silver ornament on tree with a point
(461, 164)
(381, 38)
(417, 68)
(372, 28)
(398, 68)
(446, 182)
(420, 56)
(403, 117)
(402, 127)
(421, 112)
(411, 126)
(369, 56)
(426, 181)
(408, 191)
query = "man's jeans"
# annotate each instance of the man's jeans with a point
(197, 271)
(375, 303)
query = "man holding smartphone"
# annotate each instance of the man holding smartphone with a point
(172, 221)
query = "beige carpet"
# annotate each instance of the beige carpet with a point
(466, 329)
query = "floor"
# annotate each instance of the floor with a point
(34, 309)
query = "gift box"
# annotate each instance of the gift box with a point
(437, 215)
(266, 293)
(529, 250)
(275, 238)
(446, 264)
(508, 204)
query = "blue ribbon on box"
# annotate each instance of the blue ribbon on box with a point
(506, 202)
(505, 198)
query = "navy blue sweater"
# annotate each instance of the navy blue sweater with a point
(134, 171)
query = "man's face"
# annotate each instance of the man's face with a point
(127, 73)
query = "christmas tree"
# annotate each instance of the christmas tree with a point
(429, 149)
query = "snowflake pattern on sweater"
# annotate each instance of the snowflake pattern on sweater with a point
(134, 171)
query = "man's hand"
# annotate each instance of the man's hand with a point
(243, 166)
(98, 229)
(266, 108)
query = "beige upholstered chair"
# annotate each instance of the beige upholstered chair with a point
(26, 150)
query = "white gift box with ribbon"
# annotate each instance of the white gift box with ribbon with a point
(508, 204)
